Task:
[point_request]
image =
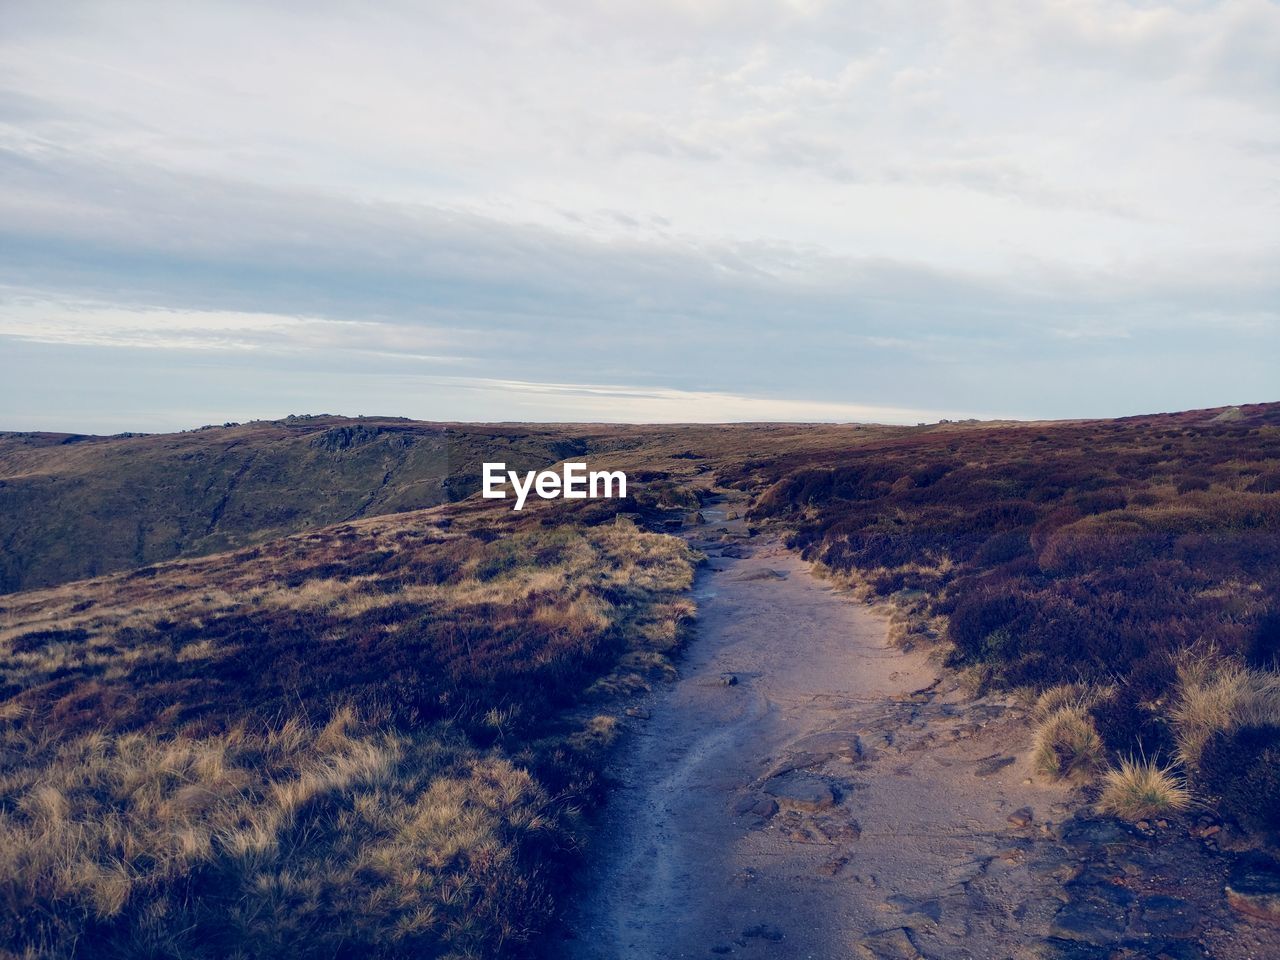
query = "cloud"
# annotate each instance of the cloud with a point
(908, 205)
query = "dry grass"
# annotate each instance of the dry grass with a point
(1063, 695)
(1139, 788)
(1218, 696)
(296, 839)
(365, 741)
(1066, 744)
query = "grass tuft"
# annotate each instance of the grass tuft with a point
(1066, 744)
(1219, 698)
(1139, 788)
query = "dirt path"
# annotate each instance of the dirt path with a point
(805, 790)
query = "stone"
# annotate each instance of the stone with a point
(931, 908)
(1058, 948)
(1022, 817)
(893, 944)
(1097, 912)
(798, 761)
(1164, 916)
(728, 680)
(751, 803)
(847, 746)
(833, 866)
(765, 574)
(764, 931)
(1083, 831)
(989, 766)
(802, 792)
(1253, 887)
(765, 807)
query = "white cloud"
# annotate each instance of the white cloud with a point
(94, 324)
(626, 191)
(617, 403)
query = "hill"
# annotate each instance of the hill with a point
(368, 740)
(76, 506)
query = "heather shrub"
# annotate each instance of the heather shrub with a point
(1263, 649)
(1240, 768)
(1126, 724)
(1100, 552)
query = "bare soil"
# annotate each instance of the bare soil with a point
(807, 790)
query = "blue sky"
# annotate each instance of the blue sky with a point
(664, 210)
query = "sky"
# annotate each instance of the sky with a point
(668, 210)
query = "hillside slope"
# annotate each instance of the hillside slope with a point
(372, 739)
(74, 506)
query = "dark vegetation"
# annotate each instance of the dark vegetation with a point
(370, 740)
(1242, 767)
(74, 506)
(1100, 552)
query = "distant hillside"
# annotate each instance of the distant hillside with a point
(76, 506)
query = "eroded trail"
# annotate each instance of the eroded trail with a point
(807, 790)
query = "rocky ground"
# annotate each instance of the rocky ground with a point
(806, 790)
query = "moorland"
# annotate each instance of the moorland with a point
(295, 683)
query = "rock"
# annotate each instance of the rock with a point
(728, 680)
(1022, 817)
(798, 761)
(1253, 888)
(931, 908)
(1206, 828)
(1057, 948)
(894, 944)
(802, 792)
(1097, 912)
(766, 574)
(764, 931)
(991, 765)
(759, 806)
(847, 746)
(836, 831)
(640, 713)
(833, 866)
(1081, 831)
(765, 807)
(1168, 916)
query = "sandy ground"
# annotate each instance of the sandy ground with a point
(806, 790)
